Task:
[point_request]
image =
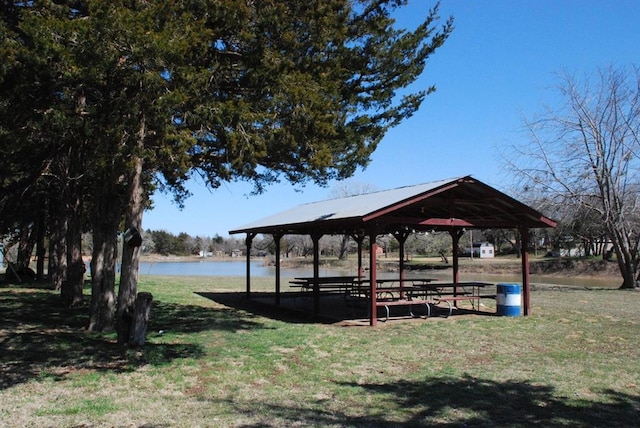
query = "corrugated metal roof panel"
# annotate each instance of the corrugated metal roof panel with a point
(342, 208)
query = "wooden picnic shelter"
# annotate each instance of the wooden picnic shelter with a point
(452, 205)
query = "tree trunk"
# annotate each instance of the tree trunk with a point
(130, 251)
(628, 273)
(141, 312)
(103, 279)
(103, 273)
(40, 247)
(127, 292)
(71, 291)
(130, 259)
(25, 247)
(344, 247)
(627, 263)
(106, 220)
(57, 244)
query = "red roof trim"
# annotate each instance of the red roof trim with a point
(408, 202)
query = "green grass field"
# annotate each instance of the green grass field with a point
(574, 362)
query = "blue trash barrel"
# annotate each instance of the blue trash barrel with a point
(508, 300)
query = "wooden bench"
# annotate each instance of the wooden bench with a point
(404, 302)
(433, 300)
(449, 299)
(305, 288)
(487, 296)
(323, 287)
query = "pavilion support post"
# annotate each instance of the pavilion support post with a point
(316, 272)
(401, 237)
(359, 238)
(276, 239)
(248, 242)
(373, 279)
(526, 287)
(456, 233)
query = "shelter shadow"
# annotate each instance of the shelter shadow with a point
(334, 309)
(263, 304)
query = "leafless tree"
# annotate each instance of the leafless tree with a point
(585, 153)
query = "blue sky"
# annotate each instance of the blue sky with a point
(498, 66)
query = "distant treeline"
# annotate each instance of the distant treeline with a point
(183, 244)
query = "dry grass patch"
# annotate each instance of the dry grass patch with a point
(573, 362)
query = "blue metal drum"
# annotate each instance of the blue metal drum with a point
(509, 300)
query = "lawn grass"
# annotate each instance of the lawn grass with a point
(573, 362)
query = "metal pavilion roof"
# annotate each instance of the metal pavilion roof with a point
(458, 202)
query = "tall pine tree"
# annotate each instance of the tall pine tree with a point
(145, 94)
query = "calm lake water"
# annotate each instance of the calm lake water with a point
(238, 268)
(227, 268)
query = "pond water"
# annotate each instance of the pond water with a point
(258, 269)
(228, 268)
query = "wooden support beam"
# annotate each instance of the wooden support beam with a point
(359, 238)
(401, 237)
(526, 287)
(248, 241)
(373, 279)
(456, 233)
(276, 239)
(316, 272)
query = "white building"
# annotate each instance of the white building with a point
(483, 250)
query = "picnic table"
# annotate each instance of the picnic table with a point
(428, 293)
(393, 292)
(325, 284)
(451, 292)
(354, 289)
(312, 287)
(388, 288)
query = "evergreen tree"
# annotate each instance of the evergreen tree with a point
(134, 95)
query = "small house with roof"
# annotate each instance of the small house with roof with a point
(483, 250)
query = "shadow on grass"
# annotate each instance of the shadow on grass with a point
(468, 402)
(333, 308)
(490, 403)
(176, 318)
(41, 338)
(263, 304)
